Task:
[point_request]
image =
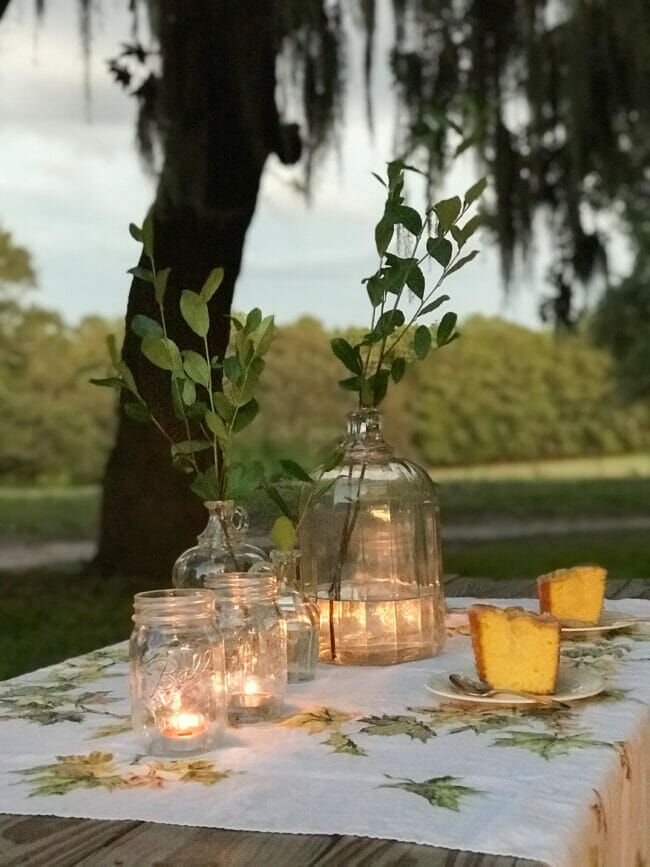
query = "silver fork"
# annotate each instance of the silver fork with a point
(475, 687)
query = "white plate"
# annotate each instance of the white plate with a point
(609, 621)
(572, 685)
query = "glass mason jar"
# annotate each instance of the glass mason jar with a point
(255, 642)
(371, 554)
(178, 693)
(222, 547)
(300, 614)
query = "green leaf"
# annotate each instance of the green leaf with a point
(147, 235)
(397, 725)
(375, 289)
(379, 385)
(246, 387)
(135, 232)
(245, 415)
(440, 249)
(253, 320)
(144, 326)
(196, 367)
(137, 411)
(438, 791)
(206, 486)
(475, 191)
(351, 384)
(388, 322)
(223, 406)
(212, 283)
(160, 284)
(142, 273)
(447, 212)
(188, 391)
(162, 352)
(433, 305)
(383, 234)
(331, 461)
(244, 479)
(189, 447)
(344, 744)
(127, 377)
(294, 470)
(275, 496)
(421, 342)
(415, 280)
(410, 219)
(447, 325)
(231, 368)
(264, 335)
(108, 382)
(380, 179)
(350, 356)
(548, 746)
(470, 227)
(195, 312)
(216, 425)
(398, 368)
(462, 261)
(283, 534)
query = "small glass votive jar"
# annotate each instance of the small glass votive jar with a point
(178, 691)
(300, 614)
(255, 643)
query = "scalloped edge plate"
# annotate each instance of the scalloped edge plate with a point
(610, 621)
(572, 685)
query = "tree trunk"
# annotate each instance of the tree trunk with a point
(219, 122)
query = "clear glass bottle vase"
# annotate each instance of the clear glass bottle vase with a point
(221, 548)
(371, 553)
(300, 613)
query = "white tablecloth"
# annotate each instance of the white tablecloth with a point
(365, 751)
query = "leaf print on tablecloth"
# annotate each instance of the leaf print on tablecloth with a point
(47, 704)
(317, 719)
(343, 744)
(397, 725)
(99, 770)
(548, 746)
(598, 656)
(439, 791)
(111, 729)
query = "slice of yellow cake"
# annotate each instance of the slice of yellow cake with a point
(575, 596)
(515, 649)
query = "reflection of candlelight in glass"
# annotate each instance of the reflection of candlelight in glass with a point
(185, 726)
(381, 513)
(250, 687)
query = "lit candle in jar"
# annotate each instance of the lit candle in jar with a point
(183, 726)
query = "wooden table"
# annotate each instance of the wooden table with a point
(51, 841)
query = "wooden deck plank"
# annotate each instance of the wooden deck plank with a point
(48, 841)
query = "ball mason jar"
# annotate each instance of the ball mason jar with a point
(178, 687)
(255, 642)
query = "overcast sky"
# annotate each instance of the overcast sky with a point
(70, 184)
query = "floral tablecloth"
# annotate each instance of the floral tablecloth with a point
(360, 751)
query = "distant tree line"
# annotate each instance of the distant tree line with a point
(501, 393)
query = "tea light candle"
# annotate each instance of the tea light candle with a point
(183, 726)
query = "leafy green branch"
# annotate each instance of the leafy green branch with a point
(213, 399)
(381, 355)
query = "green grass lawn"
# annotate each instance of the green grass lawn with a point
(624, 554)
(44, 514)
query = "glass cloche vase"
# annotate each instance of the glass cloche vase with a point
(221, 548)
(371, 553)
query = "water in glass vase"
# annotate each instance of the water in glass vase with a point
(379, 632)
